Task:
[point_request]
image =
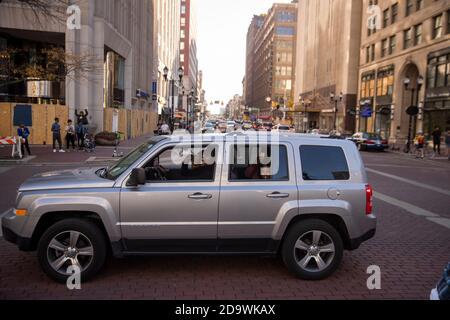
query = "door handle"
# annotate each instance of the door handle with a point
(278, 195)
(200, 196)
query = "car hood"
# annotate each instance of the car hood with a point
(66, 179)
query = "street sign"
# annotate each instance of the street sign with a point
(412, 111)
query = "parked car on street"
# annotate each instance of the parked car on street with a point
(149, 203)
(281, 128)
(369, 141)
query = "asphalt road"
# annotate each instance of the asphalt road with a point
(412, 246)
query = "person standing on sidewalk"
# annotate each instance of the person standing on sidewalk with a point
(56, 130)
(82, 117)
(81, 132)
(70, 135)
(23, 133)
(420, 145)
(437, 134)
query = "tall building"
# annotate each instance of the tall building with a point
(188, 45)
(255, 25)
(407, 48)
(271, 50)
(328, 46)
(167, 53)
(114, 37)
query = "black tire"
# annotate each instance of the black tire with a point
(289, 253)
(87, 229)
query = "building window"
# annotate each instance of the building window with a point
(385, 18)
(368, 54)
(394, 13)
(182, 45)
(438, 74)
(417, 34)
(392, 44)
(285, 31)
(419, 5)
(373, 52)
(286, 16)
(409, 7)
(368, 85)
(182, 34)
(437, 26)
(407, 38)
(384, 47)
(385, 82)
(448, 21)
(181, 57)
(183, 9)
(183, 22)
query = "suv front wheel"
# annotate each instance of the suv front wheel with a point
(72, 242)
(312, 249)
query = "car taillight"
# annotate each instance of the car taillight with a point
(370, 142)
(369, 196)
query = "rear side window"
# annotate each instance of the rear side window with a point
(323, 163)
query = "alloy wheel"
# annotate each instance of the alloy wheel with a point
(314, 251)
(70, 248)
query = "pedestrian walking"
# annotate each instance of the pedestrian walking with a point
(437, 134)
(56, 130)
(24, 133)
(70, 135)
(81, 133)
(420, 145)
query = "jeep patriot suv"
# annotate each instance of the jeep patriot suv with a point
(303, 197)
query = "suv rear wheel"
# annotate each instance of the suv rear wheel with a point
(312, 249)
(72, 242)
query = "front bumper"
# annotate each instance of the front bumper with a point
(12, 227)
(24, 244)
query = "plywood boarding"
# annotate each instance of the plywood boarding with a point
(6, 119)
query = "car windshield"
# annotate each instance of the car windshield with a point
(120, 167)
(283, 128)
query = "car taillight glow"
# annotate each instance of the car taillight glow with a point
(369, 196)
(370, 142)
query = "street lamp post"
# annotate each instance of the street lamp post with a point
(413, 109)
(336, 99)
(306, 103)
(171, 92)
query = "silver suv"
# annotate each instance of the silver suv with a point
(303, 197)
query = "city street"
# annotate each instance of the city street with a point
(412, 246)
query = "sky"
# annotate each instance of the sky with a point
(222, 31)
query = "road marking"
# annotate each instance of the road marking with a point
(4, 169)
(1, 216)
(442, 221)
(404, 205)
(415, 183)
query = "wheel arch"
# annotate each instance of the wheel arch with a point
(50, 218)
(333, 219)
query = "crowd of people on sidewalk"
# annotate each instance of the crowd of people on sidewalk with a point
(75, 135)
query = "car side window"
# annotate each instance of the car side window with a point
(323, 163)
(258, 163)
(183, 164)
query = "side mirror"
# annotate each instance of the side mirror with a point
(137, 178)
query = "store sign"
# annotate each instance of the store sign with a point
(39, 89)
